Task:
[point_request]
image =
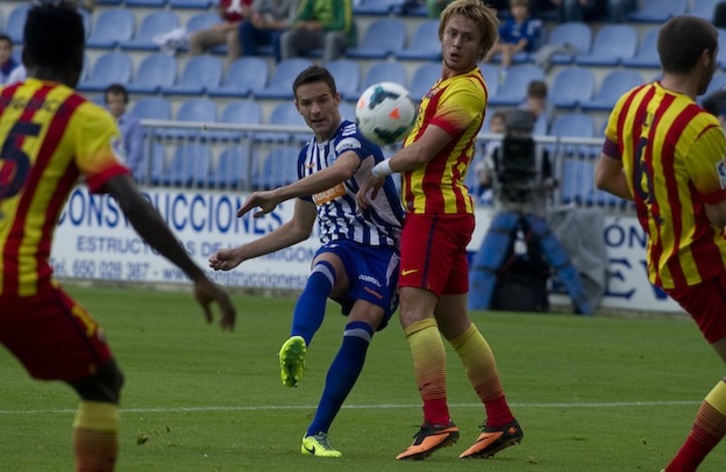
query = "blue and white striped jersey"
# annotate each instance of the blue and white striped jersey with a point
(338, 214)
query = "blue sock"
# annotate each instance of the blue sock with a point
(342, 374)
(310, 307)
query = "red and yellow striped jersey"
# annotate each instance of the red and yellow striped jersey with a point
(672, 150)
(49, 135)
(457, 105)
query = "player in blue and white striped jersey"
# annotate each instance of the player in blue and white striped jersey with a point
(357, 263)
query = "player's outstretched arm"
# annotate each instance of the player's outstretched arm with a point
(151, 227)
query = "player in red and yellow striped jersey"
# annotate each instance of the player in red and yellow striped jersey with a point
(434, 276)
(49, 136)
(667, 153)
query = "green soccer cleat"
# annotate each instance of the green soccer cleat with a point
(292, 361)
(318, 445)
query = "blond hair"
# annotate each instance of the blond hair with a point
(484, 17)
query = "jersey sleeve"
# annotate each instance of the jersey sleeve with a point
(461, 103)
(99, 148)
(706, 164)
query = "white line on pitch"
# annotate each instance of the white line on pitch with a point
(192, 409)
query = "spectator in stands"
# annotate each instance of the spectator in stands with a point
(538, 104)
(117, 99)
(7, 63)
(232, 13)
(326, 24)
(485, 167)
(519, 33)
(590, 10)
(87, 5)
(435, 7)
(267, 21)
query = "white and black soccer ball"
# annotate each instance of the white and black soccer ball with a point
(385, 113)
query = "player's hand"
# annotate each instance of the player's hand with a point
(226, 259)
(206, 293)
(372, 184)
(264, 200)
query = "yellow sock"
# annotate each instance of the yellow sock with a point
(95, 436)
(717, 397)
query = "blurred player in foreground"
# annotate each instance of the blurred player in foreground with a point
(50, 136)
(357, 264)
(665, 152)
(434, 279)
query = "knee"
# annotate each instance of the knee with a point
(104, 386)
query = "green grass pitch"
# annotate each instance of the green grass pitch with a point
(602, 393)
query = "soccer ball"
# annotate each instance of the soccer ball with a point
(385, 113)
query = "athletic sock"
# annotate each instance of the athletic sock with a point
(95, 436)
(342, 375)
(429, 365)
(310, 307)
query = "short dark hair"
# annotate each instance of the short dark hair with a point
(314, 74)
(537, 89)
(116, 89)
(682, 40)
(6, 38)
(54, 35)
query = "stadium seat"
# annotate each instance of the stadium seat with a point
(647, 55)
(377, 7)
(202, 20)
(145, 3)
(86, 15)
(347, 77)
(577, 184)
(109, 2)
(615, 84)
(384, 72)
(347, 111)
(424, 77)
(150, 171)
(718, 82)
(657, 11)
(571, 87)
(280, 86)
(278, 168)
(383, 37)
(513, 90)
(109, 68)
(16, 22)
(572, 125)
(152, 108)
(232, 168)
(155, 73)
(246, 75)
(284, 114)
(190, 165)
(202, 110)
(112, 27)
(237, 112)
(490, 72)
(192, 4)
(155, 23)
(574, 36)
(425, 44)
(703, 8)
(612, 44)
(200, 74)
(721, 56)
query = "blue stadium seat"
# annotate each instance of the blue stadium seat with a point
(147, 172)
(237, 112)
(246, 75)
(190, 165)
(377, 7)
(424, 77)
(571, 87)
(192, 4)
(278, 168)
(490, 72)
(86, 15)
(704, 8)
(109, 2)
(200, 74)
(109, 68)
(577, 184)
(612, 44)
(572, 125)
(112, 27)
(284, 114)
(145, 3)
(347, 77)
(230, 171)
(384, 72)
(383, 37)
(658, 11)
(347, 111)
(280, 86)
(718, 82)
(202, 110)
(202, 20)
(575, 35)
(155, 73)
(721, 56)
(152, 108)
(16, 22)
(647, 55)
(155, 23)
(513, 90)
(425, 44)
(613, 86)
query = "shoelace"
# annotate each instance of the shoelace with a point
(322, 439)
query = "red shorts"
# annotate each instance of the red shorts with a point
(53, 336)
(705, 303)
(433, 253)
